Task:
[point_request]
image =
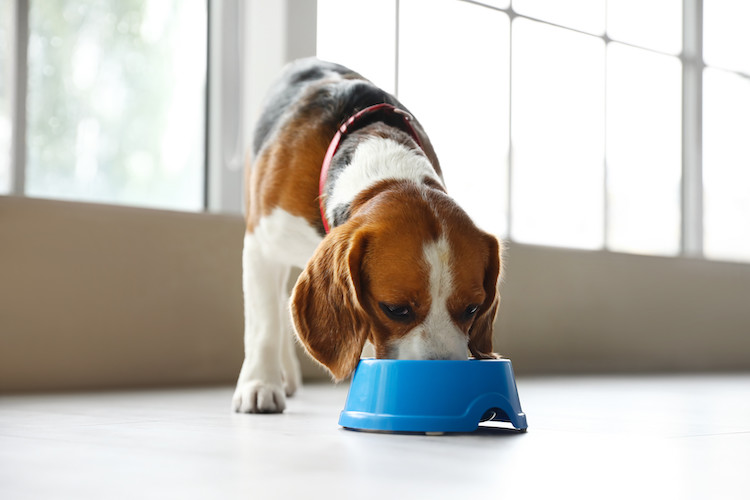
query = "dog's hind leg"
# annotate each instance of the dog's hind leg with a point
(289, 361)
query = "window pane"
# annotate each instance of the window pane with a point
(558, 136)
(726, 37)
(654, 25)
(116, 101)
(726, 165)
(500, 4)
(6, 18)
(643, 150)
(464, 109)
(584, 15)
(360, 34)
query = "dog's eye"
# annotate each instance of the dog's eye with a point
(470, 311)
(402, 313)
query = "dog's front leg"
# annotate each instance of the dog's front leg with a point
(260, 387)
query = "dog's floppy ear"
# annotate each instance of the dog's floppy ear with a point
(480, 335)
(326, 308)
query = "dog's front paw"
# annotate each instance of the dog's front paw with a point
(255, 396)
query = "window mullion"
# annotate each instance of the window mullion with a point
(226, 139)
(398, 41)
(18, 96)
(692, 136)
(510, 159)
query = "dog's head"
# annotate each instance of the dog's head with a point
(410, 273)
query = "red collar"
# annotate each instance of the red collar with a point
(384, 112)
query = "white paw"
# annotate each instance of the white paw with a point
(255, 396)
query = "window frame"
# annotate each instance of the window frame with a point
(691, 59)
(19, 87)
(264, 36)
(691, 56)
(224, 117)
(19, 78)
(691, 210)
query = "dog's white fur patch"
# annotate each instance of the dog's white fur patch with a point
(377, 159)
(437, 337)
(285, 238)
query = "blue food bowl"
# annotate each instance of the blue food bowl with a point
(431, 396)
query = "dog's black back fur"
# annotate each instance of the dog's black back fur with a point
(335, 101)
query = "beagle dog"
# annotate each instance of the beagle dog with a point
(345, 184)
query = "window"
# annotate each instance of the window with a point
(643, 150)
(557, 136)
(582, 15)
(573, 113)
(479, 118)
(6, 24)
(116, 101)
(373, 50)
(473, 144)
(588, 122)
(726, 130)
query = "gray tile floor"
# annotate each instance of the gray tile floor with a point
(600, 437)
